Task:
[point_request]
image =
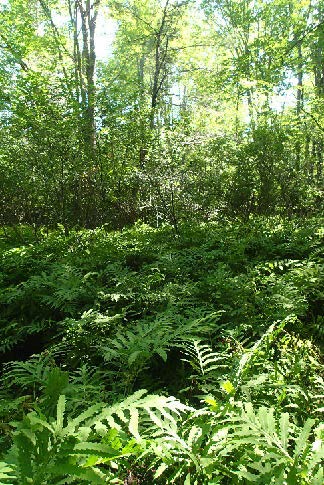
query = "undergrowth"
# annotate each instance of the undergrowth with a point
(145, 356)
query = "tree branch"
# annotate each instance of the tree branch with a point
(9, 47)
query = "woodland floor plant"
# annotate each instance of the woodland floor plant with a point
(145, 356)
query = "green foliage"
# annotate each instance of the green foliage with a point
(241, 445)
(55, 452)
(236, 442)
(131, 351)
(193, 149)
(6, 473)
(149, 131)
(223, 316)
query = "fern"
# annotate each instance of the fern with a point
(46, 451)
(87, 385)
(38, 375)
(239, 444)
(13, 332)
(274, 447)
(131, 350)
(213, 367)
(7, 474)
(210, 367)
(283, 370)
(30, 373)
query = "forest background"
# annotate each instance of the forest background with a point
(196, 109)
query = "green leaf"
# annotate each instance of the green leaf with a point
(284, 429)
(159, 471)
(133, 423)
(60, 413)
(228, 387)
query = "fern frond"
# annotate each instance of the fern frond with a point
(248, 356)
(45, 450)
(131, 350)
(202, 357)
(7, 474)
(29, 373)
(161, 410)
(260, 431)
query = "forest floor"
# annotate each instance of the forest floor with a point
(220, 324)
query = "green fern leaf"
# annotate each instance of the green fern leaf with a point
(159, 471)
(84, 417)
(7, 473)
(90, 475)
(301, 443)
(133, 423)
(60, 413)
(284, 429)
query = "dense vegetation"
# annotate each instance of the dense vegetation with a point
(195, 109)
(224, 317)
(161, 242)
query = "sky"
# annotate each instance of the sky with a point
(105, 34)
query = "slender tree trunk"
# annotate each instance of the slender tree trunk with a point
(88, 13)
(300, 96)
(160, 72)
